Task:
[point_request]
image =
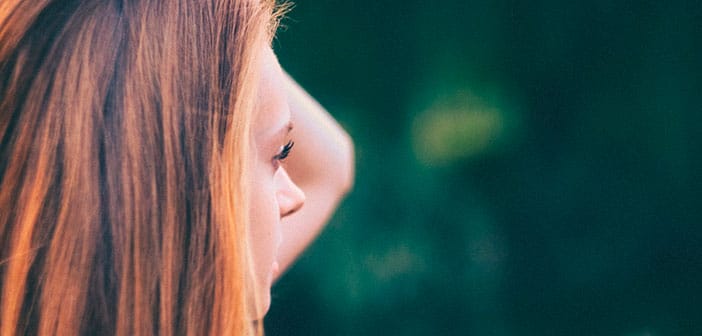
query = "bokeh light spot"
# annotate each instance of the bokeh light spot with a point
(460, 125)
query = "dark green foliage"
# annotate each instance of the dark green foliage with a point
(523, 168)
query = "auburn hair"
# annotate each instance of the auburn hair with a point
(124, 128)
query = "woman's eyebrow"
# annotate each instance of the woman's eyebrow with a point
(284, 130)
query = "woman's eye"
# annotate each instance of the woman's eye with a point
(284, 152)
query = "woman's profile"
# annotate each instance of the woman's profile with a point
(145, 183)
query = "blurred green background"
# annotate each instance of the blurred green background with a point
(523, 168)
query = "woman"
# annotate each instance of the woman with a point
(142, 183)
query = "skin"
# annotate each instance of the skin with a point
(317, 174)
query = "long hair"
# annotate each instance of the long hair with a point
(124, 128)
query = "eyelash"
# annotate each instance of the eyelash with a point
(284, 152)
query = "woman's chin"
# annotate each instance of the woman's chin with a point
(261, 306)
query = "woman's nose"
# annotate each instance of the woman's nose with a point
(290, 196)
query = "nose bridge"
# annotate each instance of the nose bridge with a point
(290, 196)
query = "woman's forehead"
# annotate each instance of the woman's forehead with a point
(272, 111)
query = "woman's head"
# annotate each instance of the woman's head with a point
(126, 137)
(273, 194)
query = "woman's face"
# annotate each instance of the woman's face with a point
(274, 194)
